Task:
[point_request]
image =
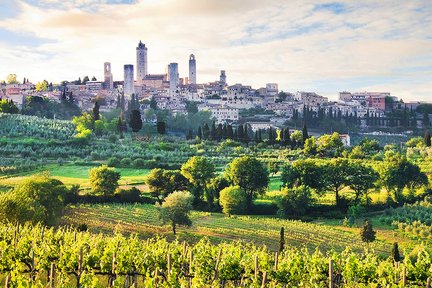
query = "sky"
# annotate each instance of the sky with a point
(303, 45)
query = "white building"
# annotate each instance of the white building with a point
(222, 114)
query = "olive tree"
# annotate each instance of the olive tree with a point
(176, 208)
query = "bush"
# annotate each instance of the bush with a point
(233, 200)
(37, 199)
(295, 201)
(104, 180)
(126, 162)
(132, 195)
(138, 163)
(113, 162)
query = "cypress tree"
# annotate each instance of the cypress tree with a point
(230, 132)
(199, 133)
(206, 131)
(246, 133)
(270, 135)
(219, 132)
(240, 133)
(96, 115)
(213, 133)
(305, 133)
(160, 127)
(224, 132)
(367, 233)
(286, 137)
(256, 137)
(282, 239)
(135, 121)
(395, 252)
(259, 135)
(189, 135)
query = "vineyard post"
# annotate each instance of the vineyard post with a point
(264, 280)
(169, 263)
(217, 264)
(52, 275)
(396, 273)
(428, 283)
(256, 267)
(190, 268)
(276, 261)
(80, 259)
(331, 284)
(42, 233)
(404, 278)
(7, 281)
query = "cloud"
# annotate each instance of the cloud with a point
(302, 45)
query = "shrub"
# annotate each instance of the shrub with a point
(126, 162)
(233, 200)
(113, 162)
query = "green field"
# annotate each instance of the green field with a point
(71, 174)
(143, 220)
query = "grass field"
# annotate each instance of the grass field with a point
(143, 220)
(71, 174)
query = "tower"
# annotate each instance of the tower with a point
(128, 85)
(192, 69)
(108, 78)
(222, 77)
(141, 54)
(173, 77)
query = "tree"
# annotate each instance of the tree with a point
(395, 252)
(8, 106)
(96, 114)
(93, 78)
(330, 145)
(163, 182)
(367, 233)
(199, 171)
(11, 79)
(273, 167)
(282, 240)
(85, 80)
(135, 121)
(336, 176)
(361, 179)
(308, 172)
(250, 174)
(295, 201)
(233, 200)
(206, 131)
(427, 138)
(199, 133)
(176, 208)
(305, 134)
(397, 173)
(38, 198)
(310, 146)
(160, 127)
(104, 180)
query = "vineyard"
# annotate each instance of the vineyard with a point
(412, 219)
(143, 220)
(15, 125)
(37, 256)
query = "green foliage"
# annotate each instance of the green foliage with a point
(395, 252)
(8, 106)
(135, 121)
(310, 146)
(417, 142)
(37, 199)
(199, 171)
(330, 145)
(175, 209)
(103, 180)
(361, 179)
(164, 182)
(367, 233)
(233, 200)
(250, 174)
(295, 201)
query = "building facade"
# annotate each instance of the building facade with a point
(192, 70)
(141, 65)
(108, 77)
(173, 76)
(128, 86)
